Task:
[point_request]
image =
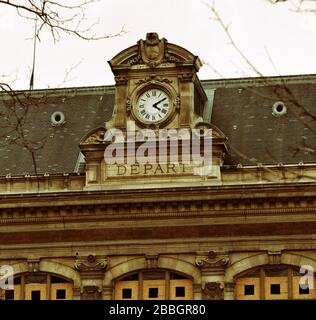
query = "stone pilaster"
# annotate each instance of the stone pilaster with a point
(91, 269)
(197, 291)
(107, 293)
(212, 265)
(229, 290)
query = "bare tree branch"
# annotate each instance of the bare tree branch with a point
(281, 91)
(60, 18)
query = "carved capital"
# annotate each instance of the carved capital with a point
(121, 80)
(212, 291)
(212, 259)
(91, 263)
(186, 76)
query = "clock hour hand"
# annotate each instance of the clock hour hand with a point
(155, 106)
(156, 103)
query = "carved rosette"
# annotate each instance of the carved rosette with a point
(212, 259)
(91, 264)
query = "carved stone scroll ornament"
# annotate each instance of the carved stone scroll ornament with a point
(153, 79)
(91, 263)
(212, 259)
(96, 137)
(135, 60)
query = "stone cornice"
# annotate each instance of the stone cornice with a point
(243, 178)
(257, 192)
(211, 209)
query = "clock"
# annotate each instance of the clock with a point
(153, 106)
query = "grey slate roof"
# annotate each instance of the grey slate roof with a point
(242, 109)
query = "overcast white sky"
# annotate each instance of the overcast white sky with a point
(257, 27)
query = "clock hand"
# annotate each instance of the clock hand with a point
(155, 104)
(159, 101)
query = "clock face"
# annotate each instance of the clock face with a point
(153, 105)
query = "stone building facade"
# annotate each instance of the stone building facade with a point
(81, 228)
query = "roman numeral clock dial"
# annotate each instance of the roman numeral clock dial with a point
(153, 106)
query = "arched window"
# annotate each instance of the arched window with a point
(153, 285)
(38, 286)
(277, 282)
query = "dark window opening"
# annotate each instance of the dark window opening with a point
(249, 290)
(180, 291)
(127, 293)
(153, 293)
(9, 295)
(36, 295)
(275, 289)
(60, 294)
(154, 275)
(175, 276)
(304, 290)
(57, 280)
(132, 277)
(17, 280)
